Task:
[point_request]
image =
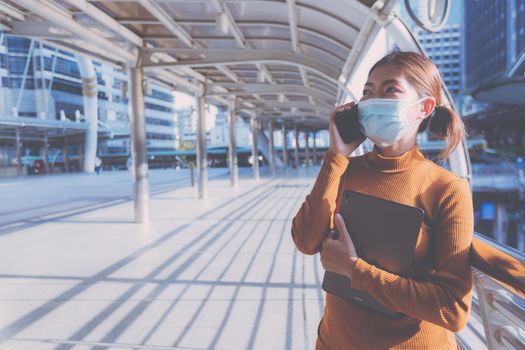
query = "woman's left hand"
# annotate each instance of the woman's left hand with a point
(339, 255)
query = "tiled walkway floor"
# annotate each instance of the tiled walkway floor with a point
(222, 273)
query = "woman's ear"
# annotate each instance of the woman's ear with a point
(428, 105)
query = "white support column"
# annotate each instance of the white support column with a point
(296, 149)
(521, 237)
(255, 149)
(41, 98)
(307, 147)
(138, 143)
(45, 153)
(284, 149)
(315, 147)
(501, 224)
(90, 97)
(202, 154)
(4, 108)
(66, 153)
(232, 149)
(18, 153)
(271, 149)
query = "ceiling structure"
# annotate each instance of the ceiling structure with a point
(286, 60)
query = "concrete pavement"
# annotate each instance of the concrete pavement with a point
(216, 274)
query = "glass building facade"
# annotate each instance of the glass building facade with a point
(41, 81)
(445, 51)
(496, 36)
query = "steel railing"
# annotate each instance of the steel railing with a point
(499, 310)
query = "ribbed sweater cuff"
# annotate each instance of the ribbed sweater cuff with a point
(364, 275)
(335, 163)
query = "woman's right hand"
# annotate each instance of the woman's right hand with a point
(336, 142)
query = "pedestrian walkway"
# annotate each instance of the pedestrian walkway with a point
(221, 273)
(29, 201)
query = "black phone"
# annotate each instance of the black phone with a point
(348, 125)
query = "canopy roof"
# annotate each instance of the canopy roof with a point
(287, 60)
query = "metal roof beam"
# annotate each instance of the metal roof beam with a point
(321, 104)
(367, 33)
(252, 38)
(156, 11)
(172, 78)
(190, 22)
(293, 115)
(292, 19)
(57, 16)
(40, 30)
(106, 20)
(357, 6)
(236, 56)
(236, 32)
(290, 105)
(175, 28)
(11, 11)
(273, 89)
(239, 36)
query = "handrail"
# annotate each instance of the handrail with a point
(503, 301)
(516, 254)
(510, 339)
(499, 309)
(476, 309)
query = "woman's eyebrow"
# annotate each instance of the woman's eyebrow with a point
(386, 82)
(391, 81)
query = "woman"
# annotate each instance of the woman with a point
(401, 98)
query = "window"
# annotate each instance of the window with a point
(162, 95)
(17, 65)
(67, 86)
(18, 45)
(66, 67)
(158, 108)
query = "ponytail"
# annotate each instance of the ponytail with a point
(444, 123)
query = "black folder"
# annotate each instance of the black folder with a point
(385, 235)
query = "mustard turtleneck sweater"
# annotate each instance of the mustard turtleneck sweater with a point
(436, 301)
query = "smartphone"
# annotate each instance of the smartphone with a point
(348, 125)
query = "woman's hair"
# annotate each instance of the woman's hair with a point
(423, 75)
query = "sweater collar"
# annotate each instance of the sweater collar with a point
(398, 163)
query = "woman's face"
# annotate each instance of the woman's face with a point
(388, 81)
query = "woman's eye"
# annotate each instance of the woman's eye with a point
(365, 92)
(391, 90)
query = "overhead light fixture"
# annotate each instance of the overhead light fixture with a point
(260, 76)
(221, 23)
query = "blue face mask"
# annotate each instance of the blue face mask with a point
(384, 121)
